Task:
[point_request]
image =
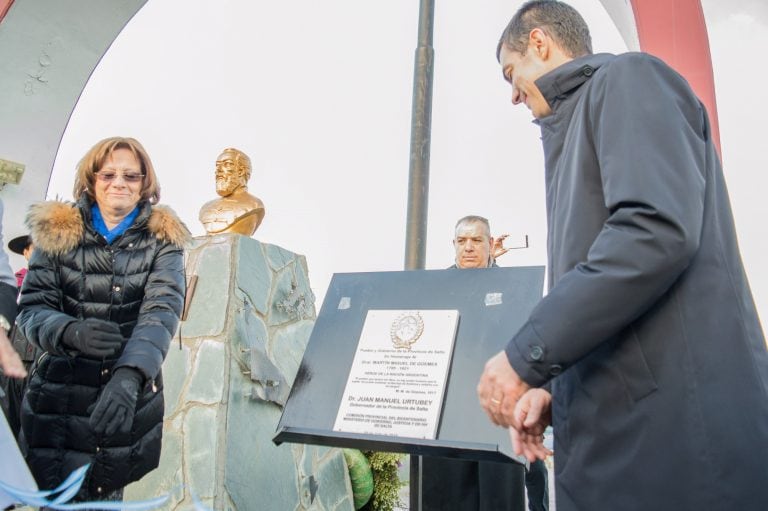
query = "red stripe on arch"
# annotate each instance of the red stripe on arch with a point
(675, 31)
(4, 6)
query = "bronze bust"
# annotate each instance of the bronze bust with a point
(237, 211)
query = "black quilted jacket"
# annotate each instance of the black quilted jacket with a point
(137, 282)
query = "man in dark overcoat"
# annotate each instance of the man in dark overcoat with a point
(648, 336)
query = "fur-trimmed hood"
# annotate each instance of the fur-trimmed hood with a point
(57, 227)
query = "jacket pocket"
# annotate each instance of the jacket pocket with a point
(633, 366)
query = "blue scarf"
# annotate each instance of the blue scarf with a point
(101, 227)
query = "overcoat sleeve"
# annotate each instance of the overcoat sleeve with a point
(159, 314)
(648, 132)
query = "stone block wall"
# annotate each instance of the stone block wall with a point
(226, 378)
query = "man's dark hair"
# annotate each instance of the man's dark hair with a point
(559, 20)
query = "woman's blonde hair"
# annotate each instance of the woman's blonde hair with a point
(95, 158)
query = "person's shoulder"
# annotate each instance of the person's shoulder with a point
(166, 225)
(212, 203)
(55, 226)
(633, 57)
(638, 74)
(243, 196)
(638, 64)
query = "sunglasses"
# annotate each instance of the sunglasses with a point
(129, 177)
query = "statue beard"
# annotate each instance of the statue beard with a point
(228, 186)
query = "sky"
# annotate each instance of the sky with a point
(318, 94)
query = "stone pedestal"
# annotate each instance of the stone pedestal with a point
(227, 376)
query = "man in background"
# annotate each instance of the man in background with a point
(449, 484)
(23, 246)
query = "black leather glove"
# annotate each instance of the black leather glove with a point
(94, 337)
(116, 406)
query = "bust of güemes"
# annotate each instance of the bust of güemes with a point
(236, 210)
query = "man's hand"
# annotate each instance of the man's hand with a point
(533, 414)
(94, 337)
(10, 362)
(498, 246)
(499, 389)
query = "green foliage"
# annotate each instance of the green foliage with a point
(386, 482)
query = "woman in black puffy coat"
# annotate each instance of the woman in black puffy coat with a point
(102, 300)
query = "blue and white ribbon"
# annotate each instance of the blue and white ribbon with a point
(69, 489)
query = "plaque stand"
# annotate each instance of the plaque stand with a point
(492, 303)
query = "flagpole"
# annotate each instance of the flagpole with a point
(421, 125)
(418, 180)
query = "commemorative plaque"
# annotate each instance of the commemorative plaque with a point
(398, 375)
(344, 376)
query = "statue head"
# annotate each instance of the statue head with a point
(236, 211)
(233, 170)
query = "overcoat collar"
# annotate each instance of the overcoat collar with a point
(559, 83)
